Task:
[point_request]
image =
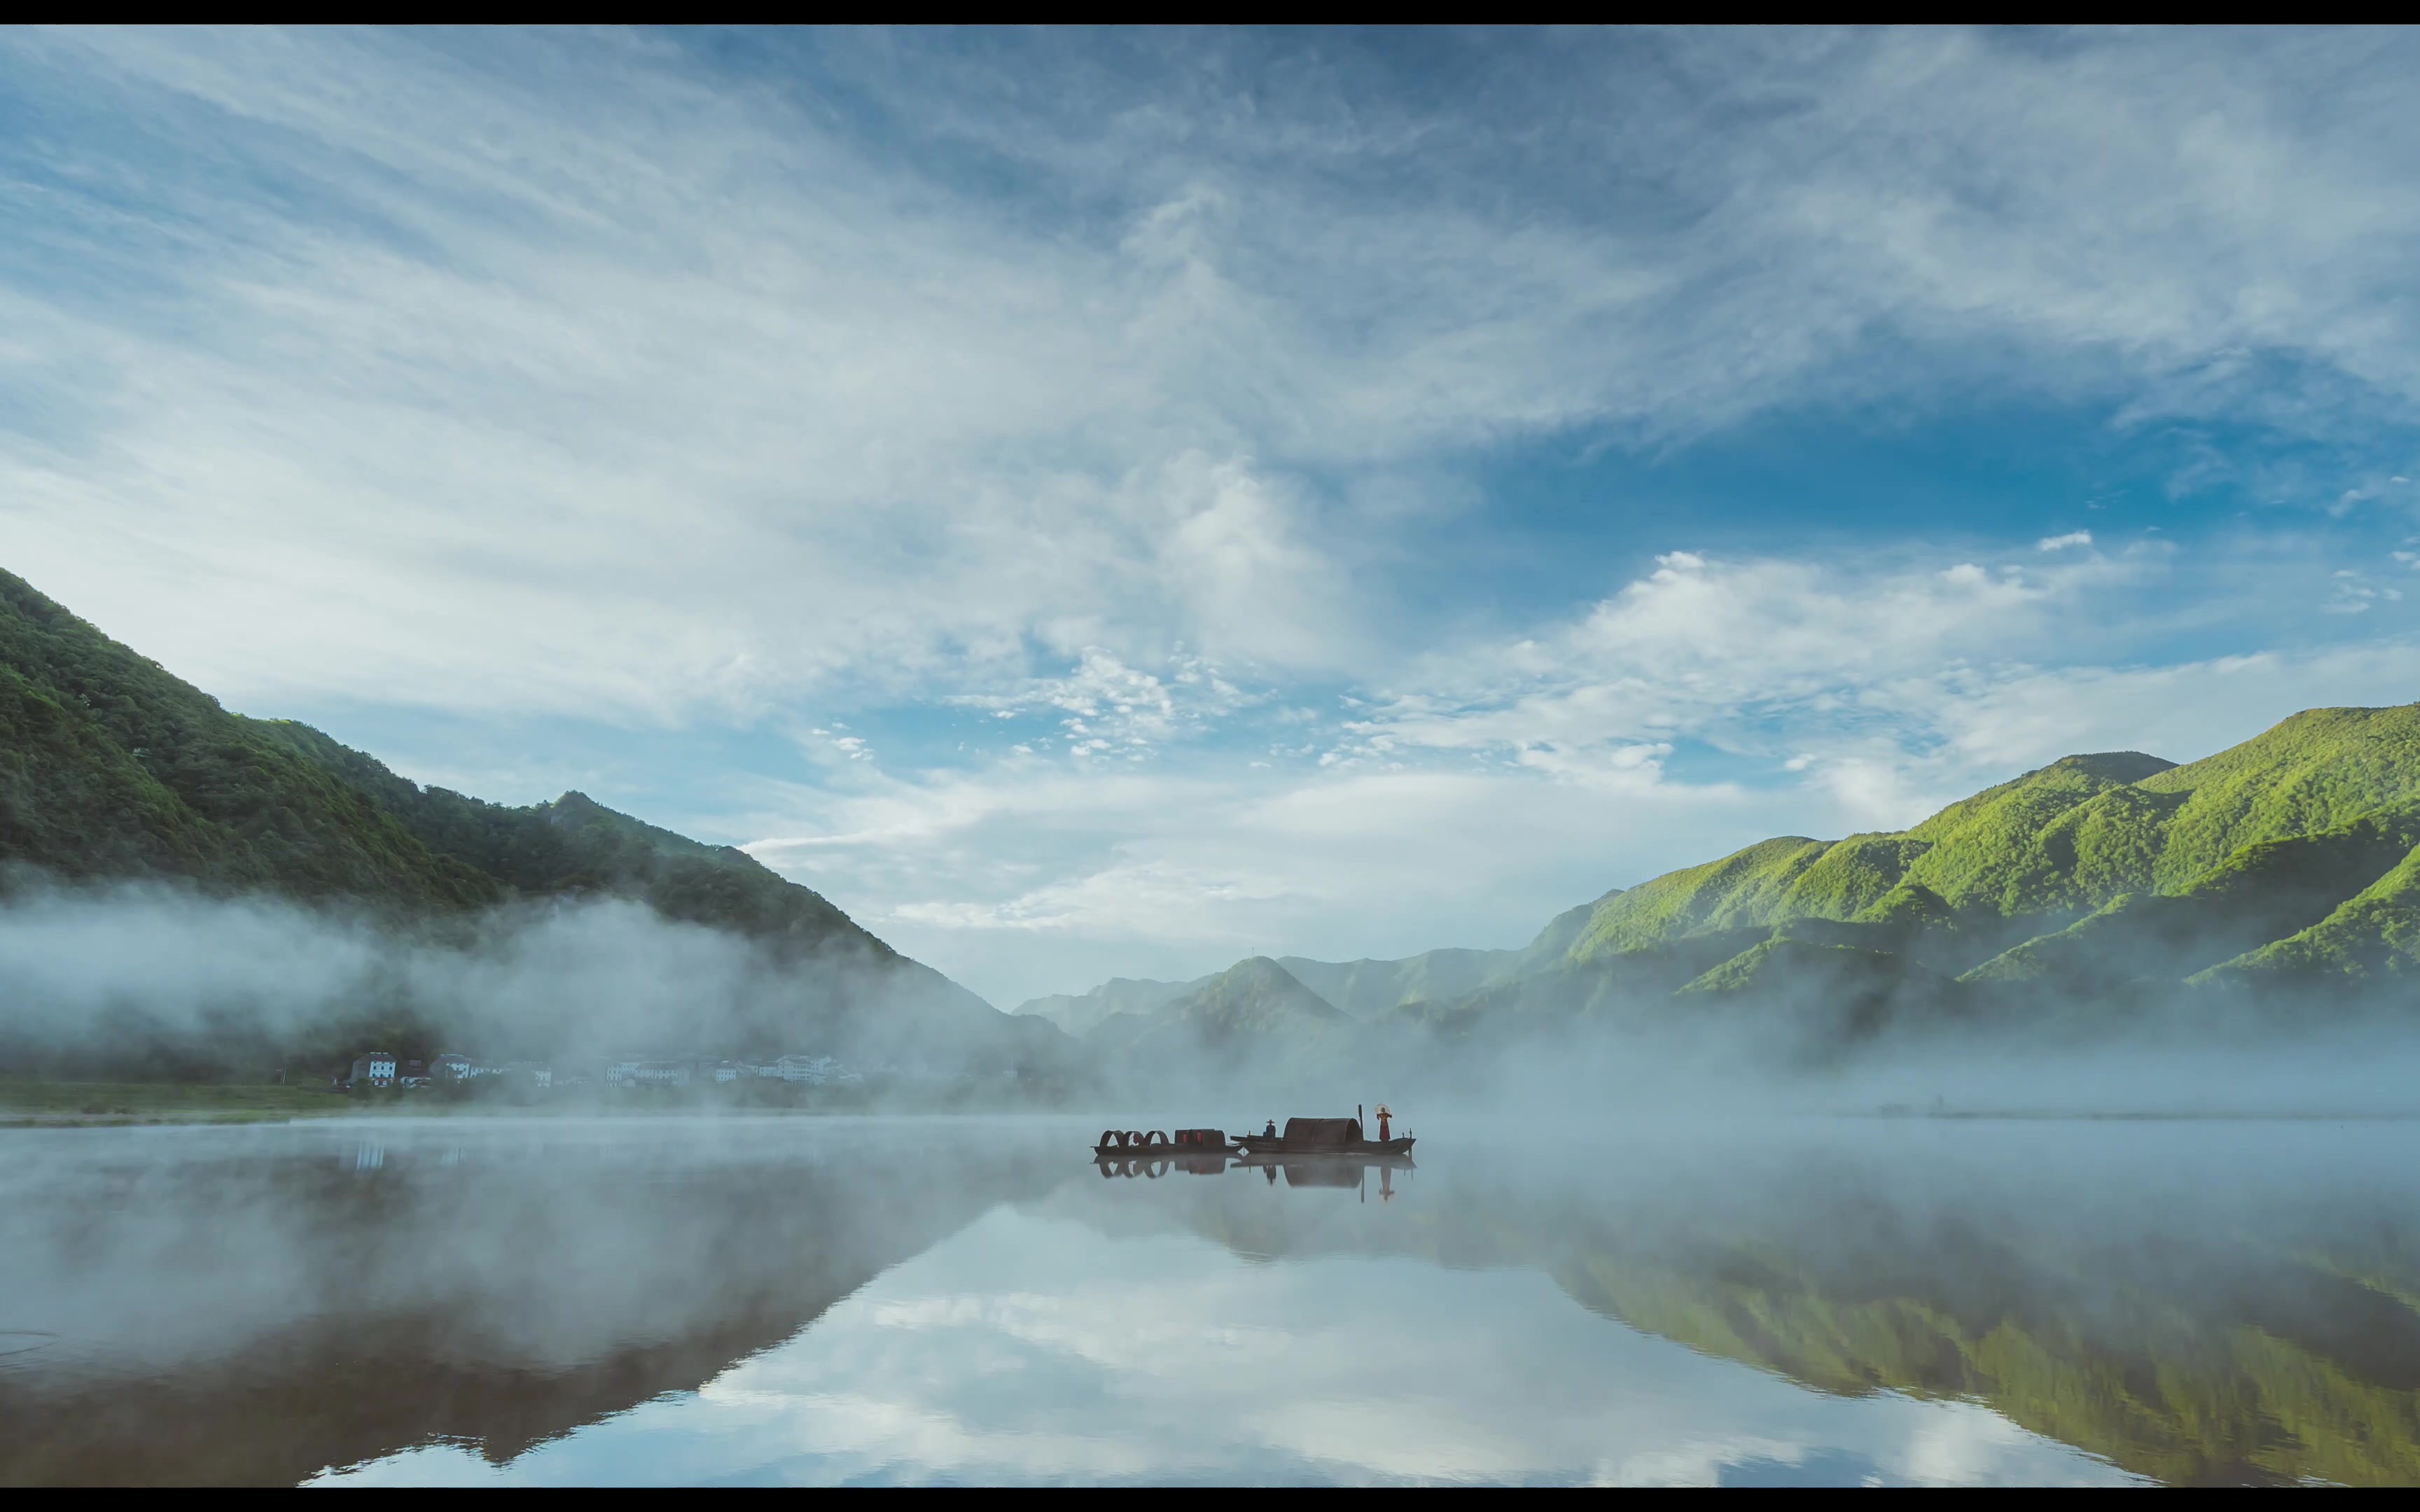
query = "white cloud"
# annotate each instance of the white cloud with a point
(1714, 648)
(560, 373)
(1032, 876)
(1534, 773)
(1102, 704)
(660, 396)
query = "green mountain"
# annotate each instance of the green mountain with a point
(1254, 1015)
(2285, 861)
(1078, 1013)
(1367, 989)
(111, 768)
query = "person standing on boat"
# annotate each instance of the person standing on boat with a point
(1383, 1117)
(1271, 1132)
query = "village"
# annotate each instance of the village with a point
(381, 1071)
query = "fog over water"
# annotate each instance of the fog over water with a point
(138, 977)
(1837, 1300)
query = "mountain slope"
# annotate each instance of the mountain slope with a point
(2373, 936)
(1363, 989)
(1078, 1013)
(2093, 871)
(1254, 1014)
(112, 768)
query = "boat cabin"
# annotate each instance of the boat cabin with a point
(1322, 1133)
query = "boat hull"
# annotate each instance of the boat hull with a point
(1352, 1149)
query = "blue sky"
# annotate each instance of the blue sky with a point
(1109, 503)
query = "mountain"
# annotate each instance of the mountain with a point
(1078, 1012)
(2285, 862)
(1364, 989)
(111, 768)
(2074, 894)
(1254, 1015)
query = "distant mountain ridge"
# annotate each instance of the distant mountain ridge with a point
(1248, 1017)
(2288, 863)
(1364, 989)
(112, 768)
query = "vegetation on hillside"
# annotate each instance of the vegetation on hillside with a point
(111, 770)
(2092, 887)
(2280, 859)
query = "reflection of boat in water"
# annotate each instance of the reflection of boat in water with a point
(1134, 1144)
(1332, 1170)
(1155, 1167)
(1351, 1162)
(1324, 1137)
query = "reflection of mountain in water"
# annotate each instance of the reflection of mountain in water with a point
(350, 1306)
(2274, 1336)
(2208, 1303)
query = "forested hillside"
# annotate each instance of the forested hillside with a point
(2284, 869)
(2277, 873)
(111, 768)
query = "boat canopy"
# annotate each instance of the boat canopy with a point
(1313, 1133)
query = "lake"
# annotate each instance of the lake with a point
(820, 1301)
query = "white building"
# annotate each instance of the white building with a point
(815, 1071)
(374, 1067)
(452, 1067)
(647, 1074)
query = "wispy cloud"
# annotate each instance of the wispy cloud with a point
(565, 370)
(1147, 389)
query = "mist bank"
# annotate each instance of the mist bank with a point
(187, 887)
(160, 980)
(156, 981)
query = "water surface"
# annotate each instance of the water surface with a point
(815, 1301)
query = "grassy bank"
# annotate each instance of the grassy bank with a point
(29, 1103)
(45, 1104)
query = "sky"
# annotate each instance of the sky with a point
(1109, 503)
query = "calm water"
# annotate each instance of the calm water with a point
(811, 1301)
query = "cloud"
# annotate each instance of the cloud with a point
(1104, 706)
(1131, 395)
(579, 372)
(1721, 649)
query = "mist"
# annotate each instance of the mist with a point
(1659, 1298)
(155, 977)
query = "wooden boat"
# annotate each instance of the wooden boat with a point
(1317, 1137)
(1134, 1144)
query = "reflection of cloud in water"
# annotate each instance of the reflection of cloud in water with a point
(1034, 1349)
(902, 1300)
